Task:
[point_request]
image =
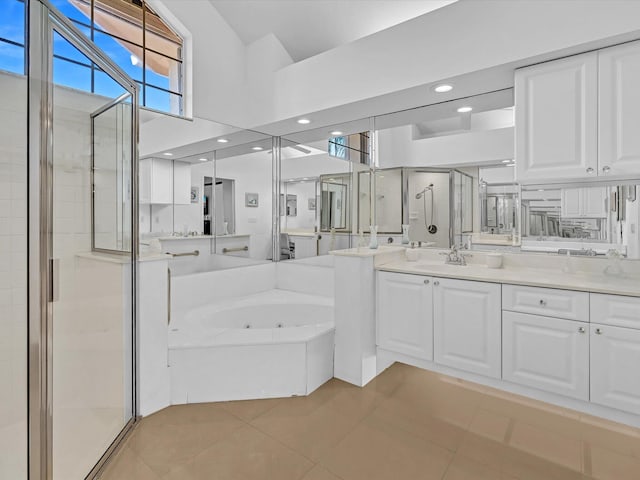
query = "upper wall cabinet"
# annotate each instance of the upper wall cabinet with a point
(578, 117)
(619, 109)
(163, 182)
(557, 119)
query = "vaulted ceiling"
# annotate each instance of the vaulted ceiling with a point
(309, 27)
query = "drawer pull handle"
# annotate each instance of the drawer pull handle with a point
(598, 331)
(589, 170)
(436, 283)
(543, 303)
(426, 282)
(581, 330)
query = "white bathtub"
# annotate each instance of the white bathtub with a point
(274, 343)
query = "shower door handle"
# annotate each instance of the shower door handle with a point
(54, 286)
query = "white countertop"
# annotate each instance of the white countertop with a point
(535, 277)
(366, 251)
(201, 237)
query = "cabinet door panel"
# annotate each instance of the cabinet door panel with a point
(619, 109)
(556, 119)
(181, 183)
(546, 353)
(467, 321)
(594, 202)
(161, 181)
(615, 356)
(405, 314)
(571, 202)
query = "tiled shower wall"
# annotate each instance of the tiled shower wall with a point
(13, 277)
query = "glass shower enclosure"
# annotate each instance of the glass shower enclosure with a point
(82, 252)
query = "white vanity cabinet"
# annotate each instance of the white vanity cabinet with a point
(548, 353)
(405, 314)
(619, 109)
(557, 119)
(583, 202)
(467, 325)
(615, 351)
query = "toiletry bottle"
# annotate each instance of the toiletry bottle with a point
(373, 240)
(567, 267)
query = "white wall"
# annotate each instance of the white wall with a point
(305, 218)
(466, 36)
(252, 174)
(396, 147)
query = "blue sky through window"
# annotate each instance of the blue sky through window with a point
(12, 29)
(77, 72)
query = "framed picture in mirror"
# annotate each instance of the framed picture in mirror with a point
(251, 200)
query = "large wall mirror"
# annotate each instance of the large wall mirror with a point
(319, 189)
(440, 154)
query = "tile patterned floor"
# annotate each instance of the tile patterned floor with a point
(406, 424)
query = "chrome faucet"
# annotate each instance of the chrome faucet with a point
(454, 257)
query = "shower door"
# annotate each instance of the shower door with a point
(87, 157)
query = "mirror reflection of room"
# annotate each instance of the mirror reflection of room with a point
(318, 200)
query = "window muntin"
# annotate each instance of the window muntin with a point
(133, 36)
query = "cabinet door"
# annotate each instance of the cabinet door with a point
(619, 109)
(405, 314)
(594, 202)
(556, 119)
(571, 202)
(161, 181)
(144, 175)
(467, 325)
(546, 353)
(615, 356)
(181, 183)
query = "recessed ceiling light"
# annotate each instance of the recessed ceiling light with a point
(168, 154)
(256, 148)
(335, 133)
(464, 109)
(443, 88)
(304, 121)
(222, 140)
(203, 160)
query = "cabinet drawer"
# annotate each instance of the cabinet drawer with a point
(615, 310)
(546, 353)
(546, 301)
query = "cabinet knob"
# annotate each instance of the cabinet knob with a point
(543, 303)
(606, 169)
(436, 283)
(581, 330)
(426, 282)
(590, 170)
(598, 331)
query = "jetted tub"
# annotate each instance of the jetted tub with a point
(274, 343)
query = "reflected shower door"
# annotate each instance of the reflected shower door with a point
(92, 304)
